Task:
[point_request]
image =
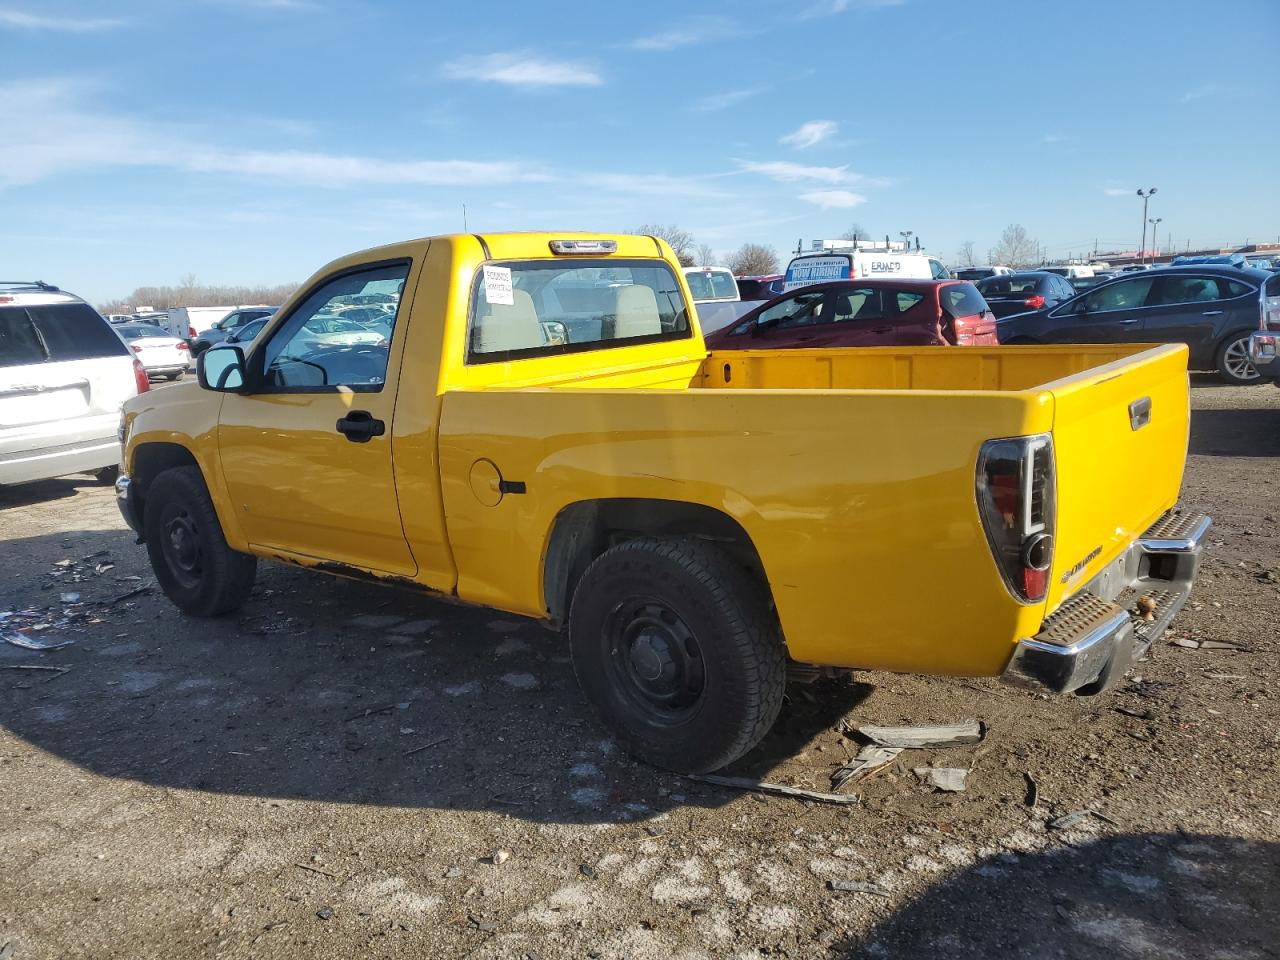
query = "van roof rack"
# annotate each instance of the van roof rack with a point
(37, 284)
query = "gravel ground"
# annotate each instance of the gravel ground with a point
(331, 773)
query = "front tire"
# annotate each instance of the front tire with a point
(677, 648)
(1233, 361)
(195, 567)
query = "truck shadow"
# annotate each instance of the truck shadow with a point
(1139, 895)
(1235, 432)
(331, 690)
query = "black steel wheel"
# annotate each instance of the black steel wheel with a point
(678, 649)
(189, 554)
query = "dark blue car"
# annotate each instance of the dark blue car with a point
(1210, 308)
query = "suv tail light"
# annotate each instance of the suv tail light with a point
(1035, 302)
(191, 332)
(182, 345)
(140, 376)
(1017, 500)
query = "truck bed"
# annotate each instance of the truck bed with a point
(852, 471)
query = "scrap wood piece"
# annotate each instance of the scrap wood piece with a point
(868, 761)
(780, 789)
(921, 738)
(31, 643)
(127, 595)
(1033, 790)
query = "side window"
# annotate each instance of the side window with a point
(318, 348)
(906, 299)
(1234, 288)
(860, 303)
(1125, 295)
(1171, 290)
(800, 311)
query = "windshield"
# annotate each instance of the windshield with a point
(537, 307)
(52, 332)
(132, 332)
(712, 284)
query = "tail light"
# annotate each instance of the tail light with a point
(1017, 501)
(140, 376)
(191, 332)
(1035, 302)
(182, 345)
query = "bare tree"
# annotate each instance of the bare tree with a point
(965, 255)
(192, 294)
(855, 232)
(1016, 248)
(753, 260)
(706, 256)
(681, 240)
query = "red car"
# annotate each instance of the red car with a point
(764, 287)
(865, 313)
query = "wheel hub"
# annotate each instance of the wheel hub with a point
(657, 659)
(182, 545)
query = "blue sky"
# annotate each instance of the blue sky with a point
(250, 141)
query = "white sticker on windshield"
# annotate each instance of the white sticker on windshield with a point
(497, 286)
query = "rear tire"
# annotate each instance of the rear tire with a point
(679, 651)
(1233, 361)
(195, 567)
(107, 475)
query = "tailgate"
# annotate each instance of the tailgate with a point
(1117, 470)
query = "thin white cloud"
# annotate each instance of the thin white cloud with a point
(1053, 138)
(830, 8)
(810, 134)
(833, 199)
(654, 184)
(1208, 90)
(21, 20)
(725, 100)
(52, 134)
(522, 70)
(688, 33)
(1117, 191)
(784, 171)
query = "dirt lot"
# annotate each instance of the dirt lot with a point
(330, 773)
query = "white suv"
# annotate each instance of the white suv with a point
(64, 374)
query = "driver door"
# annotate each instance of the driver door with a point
(306, 455)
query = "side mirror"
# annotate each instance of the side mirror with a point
(222, 369)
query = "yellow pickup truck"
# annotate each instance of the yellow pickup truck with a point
(537, 426)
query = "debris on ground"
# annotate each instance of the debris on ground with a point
(1033, 790)
(1186, 642)
(32, 643)
(857, 886)
(921, 738)
(325, 913)
(780, 789)
(1069, 820)
(869, 760)
(1147, 608)
(946, 779)
(500, 857)
(1221, 645)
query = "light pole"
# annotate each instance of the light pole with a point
(906, 239)
(1155, 242)
(1142, 251)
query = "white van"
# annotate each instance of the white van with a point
(861, 264)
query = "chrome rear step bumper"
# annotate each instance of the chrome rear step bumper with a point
(1088, 643)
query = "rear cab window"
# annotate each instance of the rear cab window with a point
(962, 300)
(711, 284)
(55, 332)
(531, 308)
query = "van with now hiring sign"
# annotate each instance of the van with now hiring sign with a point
(861, 264)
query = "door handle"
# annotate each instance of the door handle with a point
(1127, 322)
(1212, 313)
(359, 426)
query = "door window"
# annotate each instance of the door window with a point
(860, 303)
(1172, 290)
(1125, 295)
(318, 348)
(799, 311)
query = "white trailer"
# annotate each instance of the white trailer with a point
(186, 322)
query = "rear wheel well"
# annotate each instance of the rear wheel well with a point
(152, 459)
(583, 531)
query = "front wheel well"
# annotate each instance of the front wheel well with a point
(152, 459)
(582, 531)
